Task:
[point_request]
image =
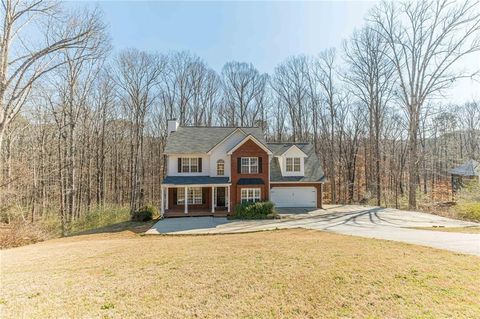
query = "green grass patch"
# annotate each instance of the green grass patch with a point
(100, 217)
(470, 211)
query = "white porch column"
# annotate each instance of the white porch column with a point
(213, 199)
(162, 204)
(166, 197)
(186, 200)
(228, 198)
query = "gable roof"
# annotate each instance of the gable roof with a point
(313, 170)
(196, 139)
(251, 138)
(293, 146)
(238, 129)
(469, 168)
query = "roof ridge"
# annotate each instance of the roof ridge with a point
(289, 143)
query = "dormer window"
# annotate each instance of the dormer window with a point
(220, 167)
(293, 164)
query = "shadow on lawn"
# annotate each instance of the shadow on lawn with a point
(134, 227)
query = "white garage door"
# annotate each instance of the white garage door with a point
(294, 196)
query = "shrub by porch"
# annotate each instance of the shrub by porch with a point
(258, 210)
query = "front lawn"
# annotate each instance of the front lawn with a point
(276, 274)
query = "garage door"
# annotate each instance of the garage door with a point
(294, 196)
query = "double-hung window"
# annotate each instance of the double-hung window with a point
(293, 164)
(249, 165)
(250, 195)
(189, 165)
(194, 196)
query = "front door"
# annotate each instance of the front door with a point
(220, 196)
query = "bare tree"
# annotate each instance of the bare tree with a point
(370, 76)
(290, 82)
(244, 88)
(138, 74)
(426, 41)
(24, 61)
(179, 83)
(326, 74)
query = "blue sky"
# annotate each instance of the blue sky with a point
(263, 33)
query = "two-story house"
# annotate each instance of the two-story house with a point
(212, 169)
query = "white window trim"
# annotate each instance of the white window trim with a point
(251, 195)
(189, 162)
(222, 163)
(194, 196)
(249, 166)
(293, 165)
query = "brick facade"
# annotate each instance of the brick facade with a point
(248, 149)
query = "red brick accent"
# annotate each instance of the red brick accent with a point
(318, 186)
(248, 149)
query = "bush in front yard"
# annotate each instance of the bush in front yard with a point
(470, 211)
(468, 201)
(144, 214)
(258, 210)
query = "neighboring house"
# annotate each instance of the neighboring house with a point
(216, 168)
(468, 171)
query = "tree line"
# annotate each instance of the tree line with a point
(82, 126)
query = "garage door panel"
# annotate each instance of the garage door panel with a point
(294, 196)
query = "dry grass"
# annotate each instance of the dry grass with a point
(467, 230)
(20, 234)
(277, 274)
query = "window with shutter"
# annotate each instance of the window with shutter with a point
(249, 165)
(190, 165)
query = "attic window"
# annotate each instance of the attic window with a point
(293, 164)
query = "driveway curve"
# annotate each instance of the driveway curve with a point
(356, 220)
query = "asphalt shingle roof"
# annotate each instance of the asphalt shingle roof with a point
(469, 168)
(313, 169)
(195, 139)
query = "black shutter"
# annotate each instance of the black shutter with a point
(239, 165)
(179, 165)
(204, 195)
(260, 165)
(199, 164)
(175, 196)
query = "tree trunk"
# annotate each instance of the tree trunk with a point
(413, 158)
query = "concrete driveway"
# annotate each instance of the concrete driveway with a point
(364, 221)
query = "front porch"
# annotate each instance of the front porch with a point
(195, 200)
(196, 212)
